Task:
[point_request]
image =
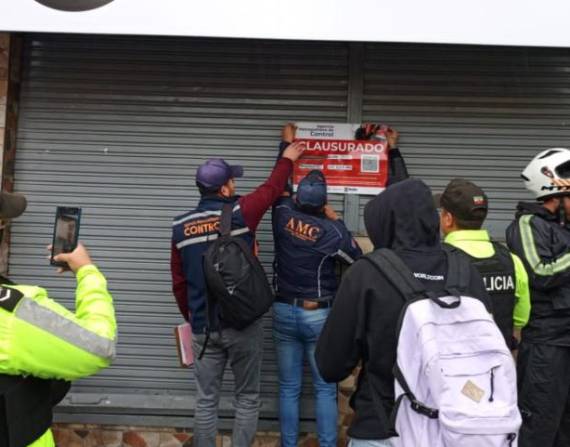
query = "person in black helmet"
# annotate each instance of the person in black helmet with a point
(539, 238)
(309, 238)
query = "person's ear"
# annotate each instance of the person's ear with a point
(227, 190)
(447, 220)
(224, 191)
(553, 203)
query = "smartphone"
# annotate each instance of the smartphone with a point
(65, 232)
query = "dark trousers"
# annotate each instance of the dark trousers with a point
(544, 388)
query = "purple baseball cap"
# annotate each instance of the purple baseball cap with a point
(216, 173)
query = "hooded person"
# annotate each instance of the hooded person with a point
(363, 321)
(539, 238)
(309, 239)
(45, 345)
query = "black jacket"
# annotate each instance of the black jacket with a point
(362, 323)
(397, 170)
(538, 238)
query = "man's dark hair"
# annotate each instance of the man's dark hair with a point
(475, 224)
(207, 191)
(314, 210)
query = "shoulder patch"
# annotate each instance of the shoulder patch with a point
(9, 298)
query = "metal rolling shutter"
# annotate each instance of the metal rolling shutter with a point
(469, 111)
(118, 125)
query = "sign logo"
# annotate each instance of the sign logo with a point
(302, 230)
(74, 5)
(547, 172)
(200, 227)
(479, 201)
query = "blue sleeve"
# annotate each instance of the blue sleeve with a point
(347, 249)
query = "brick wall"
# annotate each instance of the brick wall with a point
(4, 69)
(4, 80)
(10, 69)
(79, 435)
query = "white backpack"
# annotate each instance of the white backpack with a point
(455, 377)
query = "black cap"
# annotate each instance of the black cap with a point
(465, 200)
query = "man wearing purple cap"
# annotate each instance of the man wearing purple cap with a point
(192, 233)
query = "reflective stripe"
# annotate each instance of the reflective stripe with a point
(65, 329)
(338, 231)
(319, 291)
(538, 266)
(202, 214)
(341, 253)
(345, 256)
(208, 238)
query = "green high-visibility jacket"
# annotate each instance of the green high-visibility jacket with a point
(39, 337)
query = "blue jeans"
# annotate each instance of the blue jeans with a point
(295, 332)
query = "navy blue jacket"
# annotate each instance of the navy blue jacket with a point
(191, 234)
(193, 231)
(306, 246)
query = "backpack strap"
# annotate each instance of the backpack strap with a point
(459, 271)
(226, 219)
(397, 273)
(416, 405)
(458, 275)
(224, 230)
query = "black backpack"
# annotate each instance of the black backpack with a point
(238, 292)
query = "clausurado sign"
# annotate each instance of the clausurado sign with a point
(350, 166)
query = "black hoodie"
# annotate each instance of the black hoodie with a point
(362, 323)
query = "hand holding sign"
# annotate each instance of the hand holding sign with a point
(288, 132)
(392, 136)
(294, 151)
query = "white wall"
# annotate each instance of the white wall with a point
(489, 22)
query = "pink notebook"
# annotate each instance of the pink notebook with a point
(183, 334)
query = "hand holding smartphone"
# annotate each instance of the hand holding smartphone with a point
(65, 232)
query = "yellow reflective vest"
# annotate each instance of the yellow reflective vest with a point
(39, 337)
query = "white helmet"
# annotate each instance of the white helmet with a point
(548, 174)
